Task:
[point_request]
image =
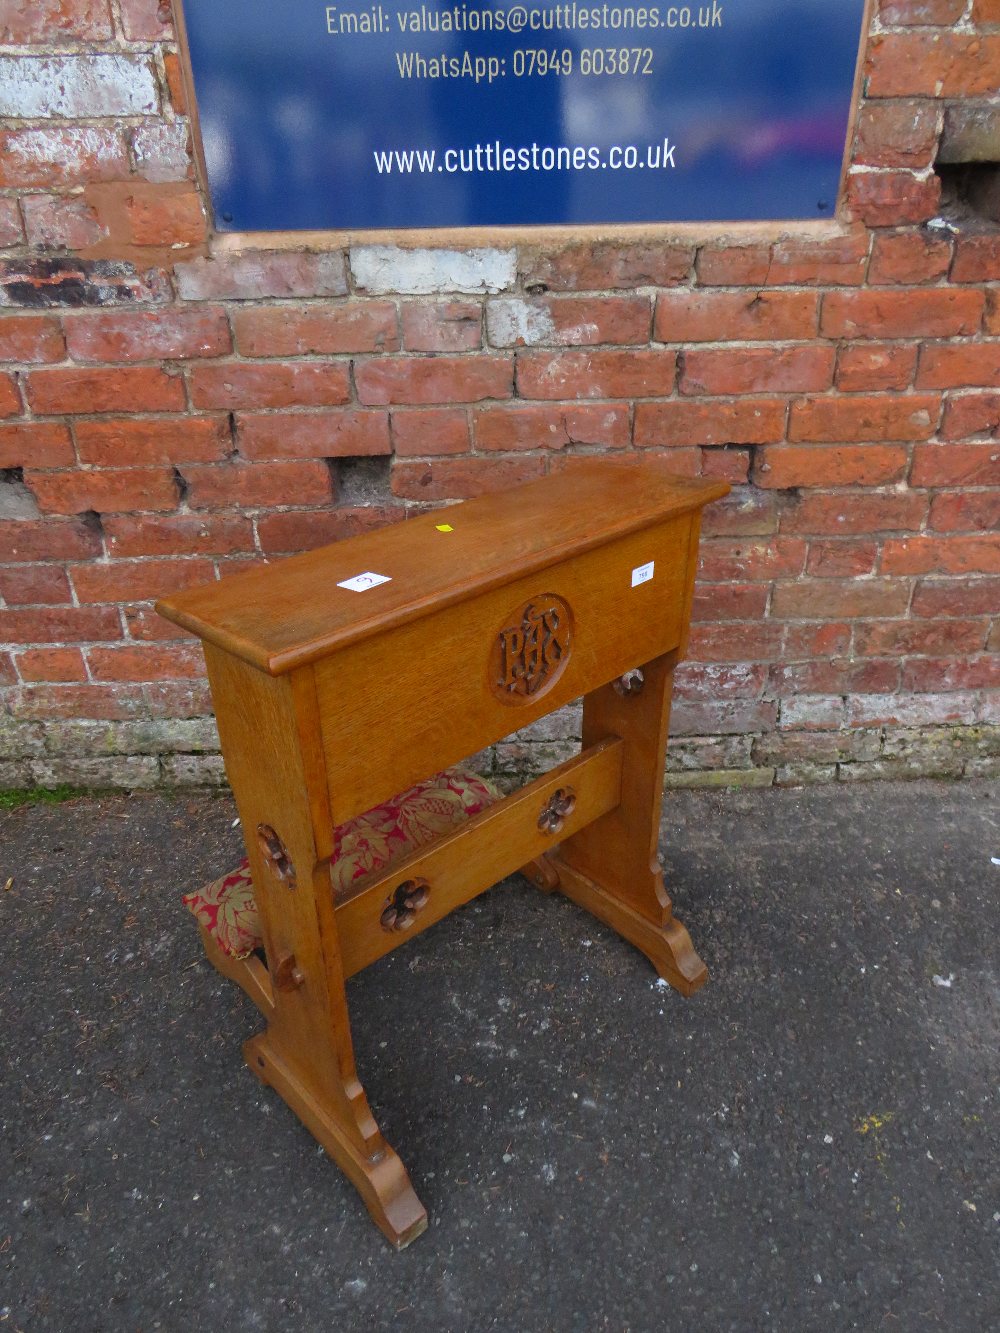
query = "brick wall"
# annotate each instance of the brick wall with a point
(168, 415)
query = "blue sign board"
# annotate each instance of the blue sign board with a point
(424, 113)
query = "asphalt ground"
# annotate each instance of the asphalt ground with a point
(809, 1143)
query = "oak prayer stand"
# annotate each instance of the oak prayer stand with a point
(350, 673)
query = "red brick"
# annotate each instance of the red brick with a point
(133, 388)
(62, 155)
(757, 370)
(34, 585)
(745, 512)
(443, 326)
(437, 379)
(179, 534)
(258, 276)
(892, 198)
(835, 676)
(246, 385)
(729, 464)
(731, 601)
(991, 318)
(855, 515)
(10, 399)
(167, 214)
(679, 422)
(841, 559)
(60, 624)
(11, 226)
(55, 664)
(146, 20)
(868, 366)
(36, 444)
(697, 316)
(146, 662)
(24, 22)
(117, 490)
(977, 258)
(924, 64)
(175, 698)
(48, 539)
(908, 257)
(965, 511)
(89, 701)
(729, 717)
(316, 330)
(958, 365)
(730, 561)
(782, 466)
(302, 530)
(933, 674)
(859, 419)
(726, 642)
(598, 374)
(340, 433)
(601, 265)
(956, 597)
(701, 682)
(816, 640)
(458, 478)
(61, 222)
(896, 134)
(823, 261)
(516, 427)
(826, 599)
(942, 555)
(144, 626)
(733, 266)
(673, 462)
(128, 441)
(971, 414)
(901, 313)
(258, 485)
(30, 339)
(900, 13)
(899, 638)
(419, 432)
(137, 580)
(568, 321)
(147, 335)
(956, 465)
(985, 12)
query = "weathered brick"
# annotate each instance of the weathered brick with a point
(442, 326)
(732, 642)
(901, 13)
(144, 489)
(523, 426)
(10, 399)
(438, 379)
(971, 133)
(956, 465)
(262, 275)
(567, 321)
(965, 511)
(931, 675)
(36, 444)
(925, 64)
(65, 155)
(985, 12)
(901, 313)
(811, 712)
(732, 601)
(244, 385)
(330, 434)
(841, 559)
(51, 282)
(896, 134)
(178, 534)
(61, 222)
(603, 265)
(258, 485)
(60, 624)
(77, 87)
(958, 365)
(835, 676)
(756, 370)
(596, 374)
(48, 539)
(162, 151)
(892, 198)
(870, 366)
(51, 664)
(11, 226)
(728, 464)
(146, 20)
(302, 530)
(132, 441)
(726, 717)
(138, 388)
(699, 316)
(30, 339)
(137, 580)
(34, 585)
(827, 261)
(853, 514)
(970, 414)
(826, 599)
(144, 662)
(706, 681)
(745, 512)
(84, 700)
(814, 639)
(942, 555)
(733, 265)
(908, 257)
(459, 478)
(977, 258)
(384, 270)
(679, 422)
(26, 22)
(142, 335)
(167, 214)
(781, 466)
(832, 420)
(420, 432)
(928, 637)
(176, 87)
(722, 561)
(316, 330)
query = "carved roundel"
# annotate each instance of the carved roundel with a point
(531, 649)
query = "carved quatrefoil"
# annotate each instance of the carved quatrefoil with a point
(404, 904)
(556, 809)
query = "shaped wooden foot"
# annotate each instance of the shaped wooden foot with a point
(381, 1179)
(542, 873)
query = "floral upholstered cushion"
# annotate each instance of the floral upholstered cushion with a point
(366, 846)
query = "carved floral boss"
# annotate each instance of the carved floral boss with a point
(531, 649)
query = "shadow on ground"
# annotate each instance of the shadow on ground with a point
(811, 1142)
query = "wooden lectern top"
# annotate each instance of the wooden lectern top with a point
(297, 610)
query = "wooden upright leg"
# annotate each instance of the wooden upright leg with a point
(611, 867)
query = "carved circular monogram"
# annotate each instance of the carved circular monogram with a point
(531, 649)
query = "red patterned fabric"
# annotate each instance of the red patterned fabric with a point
(367, 845)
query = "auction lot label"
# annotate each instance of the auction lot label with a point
(447, 115)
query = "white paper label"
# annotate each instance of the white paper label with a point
(362, 582)
(642, 574)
